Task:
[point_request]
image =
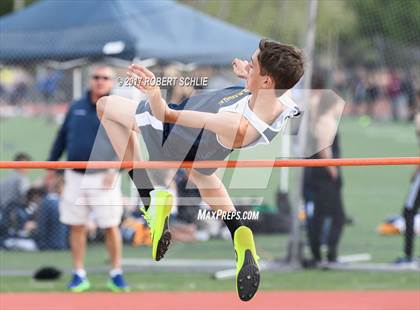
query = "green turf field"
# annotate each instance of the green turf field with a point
(370, 195)
(307, 280)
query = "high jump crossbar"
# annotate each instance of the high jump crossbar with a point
(278, 163)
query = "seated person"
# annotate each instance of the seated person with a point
(17, 217)
(14, 186)
(50, 233)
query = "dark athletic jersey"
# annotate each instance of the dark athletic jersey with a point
(175, 142)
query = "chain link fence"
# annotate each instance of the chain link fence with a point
(374, 71)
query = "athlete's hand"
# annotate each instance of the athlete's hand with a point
(240, 68)
(144, 79)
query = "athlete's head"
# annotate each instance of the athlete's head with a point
(101, 80)
(275, 66)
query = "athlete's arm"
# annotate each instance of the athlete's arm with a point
(230, 126)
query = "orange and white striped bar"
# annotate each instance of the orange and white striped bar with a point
(386, 161)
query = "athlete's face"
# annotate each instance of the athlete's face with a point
(101, 82)
(256, 81)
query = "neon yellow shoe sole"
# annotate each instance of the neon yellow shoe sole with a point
(247, 271)
(157, 216)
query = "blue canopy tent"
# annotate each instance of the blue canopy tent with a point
(165, 30)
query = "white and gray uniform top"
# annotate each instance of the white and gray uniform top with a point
(166, 141)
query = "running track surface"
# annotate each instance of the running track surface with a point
(289, 300)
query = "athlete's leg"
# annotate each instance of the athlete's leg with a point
(117, 115)
(214, 193)
(143, 184)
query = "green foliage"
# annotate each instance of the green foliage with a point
(279, 20)
(362, 31)
(386, 33)
(334, 19)
(6, 6)
(393, 19)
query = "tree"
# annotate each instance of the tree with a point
(7, 6)
(395, 20)
(387, 33)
